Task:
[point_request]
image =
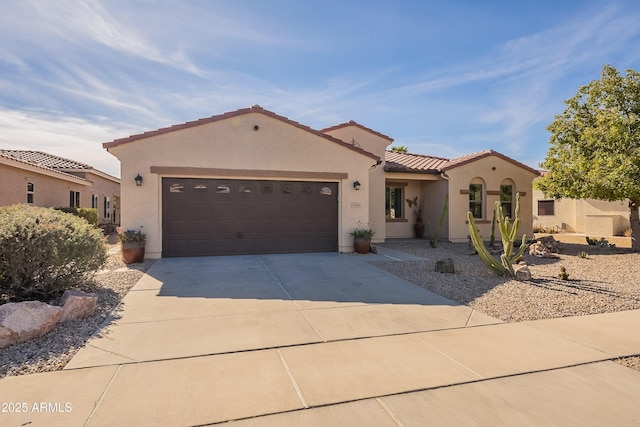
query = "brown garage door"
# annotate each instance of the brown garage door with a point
(228, 217)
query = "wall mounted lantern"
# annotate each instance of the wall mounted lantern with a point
(356, 185)
(138, 180)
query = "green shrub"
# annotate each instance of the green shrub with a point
(362, 232)
(89, 214)
(131, 235)
(43, 252)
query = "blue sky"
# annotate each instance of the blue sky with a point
(445, 78)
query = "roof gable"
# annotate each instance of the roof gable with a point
(255, 109)
(358, 125)
(468, 158)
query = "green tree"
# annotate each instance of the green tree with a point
(595, 144)
(400, 148)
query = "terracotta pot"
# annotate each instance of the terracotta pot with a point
(132, 252)
(361, 245)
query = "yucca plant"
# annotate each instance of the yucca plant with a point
(508, 232)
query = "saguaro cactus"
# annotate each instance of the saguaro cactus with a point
(508, 232)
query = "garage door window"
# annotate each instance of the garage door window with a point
(176, 188)
(266, 189)
(245, 189)
(307, 190)
(325, 191)
(200, 188)
(286, 188)
(223, 189)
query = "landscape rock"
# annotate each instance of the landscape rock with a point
(5, 337)
(540, 250)
(22, 321)
(550, 243)
(523, 273)
(445, 266)
(77, 305)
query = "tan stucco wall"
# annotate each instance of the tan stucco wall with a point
(433, 194)
(233, 144)
(403, 228)
(586, 216)
(430, 190)
(106, 188)
(103, 186)
(461, 176)
(376, 145)
(50, 191)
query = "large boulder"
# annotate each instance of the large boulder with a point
(77, 305)
(22, 321)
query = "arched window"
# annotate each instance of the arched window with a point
(476, 197)
(507, 191)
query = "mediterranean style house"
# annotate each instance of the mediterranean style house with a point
(251, 181)
(42, 179)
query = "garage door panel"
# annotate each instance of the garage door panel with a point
(216, 217)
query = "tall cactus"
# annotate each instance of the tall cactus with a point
(508, 232)
(443, 215)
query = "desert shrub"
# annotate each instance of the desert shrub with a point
(601, 244)
(44, 251)
(537, 228)
(89, 214)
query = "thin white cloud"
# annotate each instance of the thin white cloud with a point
(54, 25)
(546, 55)
(159, 63)
(69, 137)
(524, 75)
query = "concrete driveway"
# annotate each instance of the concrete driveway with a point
(188, 307)
(328, 339)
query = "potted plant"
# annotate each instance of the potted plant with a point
(418, 225)
(362, 239)
(132, 242)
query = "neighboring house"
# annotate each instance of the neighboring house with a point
(42, 179)
(251, 181)
(584, 216)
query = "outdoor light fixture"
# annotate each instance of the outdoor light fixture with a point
(138, 180)
(356, 185)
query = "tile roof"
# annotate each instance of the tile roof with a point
(254, 109)
(463, 160)
(31, 158)
(412, 163)
(418, 163)
(39, 158)
(358, 125)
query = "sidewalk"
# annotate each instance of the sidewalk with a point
(432, 366)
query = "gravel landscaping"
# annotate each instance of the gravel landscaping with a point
(605, 281)
(52, 351)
